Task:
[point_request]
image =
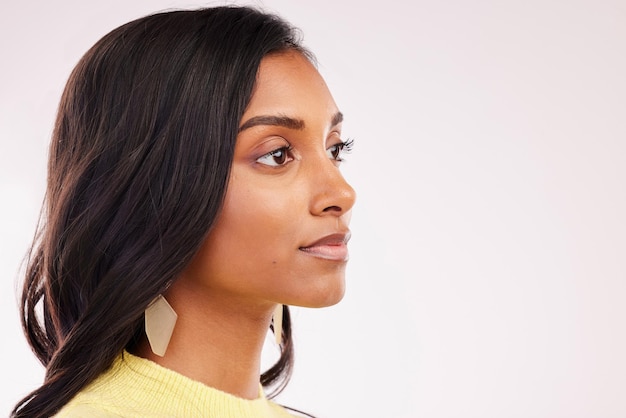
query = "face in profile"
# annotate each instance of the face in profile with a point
(282, 233)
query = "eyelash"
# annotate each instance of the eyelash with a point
(345, 147)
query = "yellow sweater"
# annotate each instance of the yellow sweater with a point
(139, 388)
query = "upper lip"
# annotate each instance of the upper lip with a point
(332, 239)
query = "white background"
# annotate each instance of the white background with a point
(488, 269)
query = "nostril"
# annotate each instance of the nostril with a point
(332, 209)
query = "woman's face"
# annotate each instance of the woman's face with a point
(282, 233)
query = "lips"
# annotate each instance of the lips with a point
(331, 247)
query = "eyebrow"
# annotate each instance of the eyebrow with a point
(284, 121)
(337, 119)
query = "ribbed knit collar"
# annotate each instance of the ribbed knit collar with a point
(165, 393)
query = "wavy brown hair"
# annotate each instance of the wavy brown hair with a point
(138, 167)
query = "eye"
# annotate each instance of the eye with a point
(336, 151)
(276, 158)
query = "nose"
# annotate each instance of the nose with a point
(332, 193)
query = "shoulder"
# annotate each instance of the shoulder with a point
(281, 411)
(80, 410)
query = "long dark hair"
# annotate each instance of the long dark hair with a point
(138, 168)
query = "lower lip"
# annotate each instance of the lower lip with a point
(328, 252)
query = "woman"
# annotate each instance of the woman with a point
(193, 190)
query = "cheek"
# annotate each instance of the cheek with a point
(254, 238)
(253, 249)
(259, 219)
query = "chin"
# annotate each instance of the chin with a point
(324, 296)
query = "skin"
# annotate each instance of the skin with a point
(265, 247)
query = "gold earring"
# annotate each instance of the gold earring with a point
(160, 319)
(277, 319)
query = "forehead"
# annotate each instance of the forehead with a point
(289, 84)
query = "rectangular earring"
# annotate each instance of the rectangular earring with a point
(277, 319)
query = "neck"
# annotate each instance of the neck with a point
(217, 340)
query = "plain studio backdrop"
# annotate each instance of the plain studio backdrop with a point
(488, 260)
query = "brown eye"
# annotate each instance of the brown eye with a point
(336, 151)
(276, 158)
(279, 157)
